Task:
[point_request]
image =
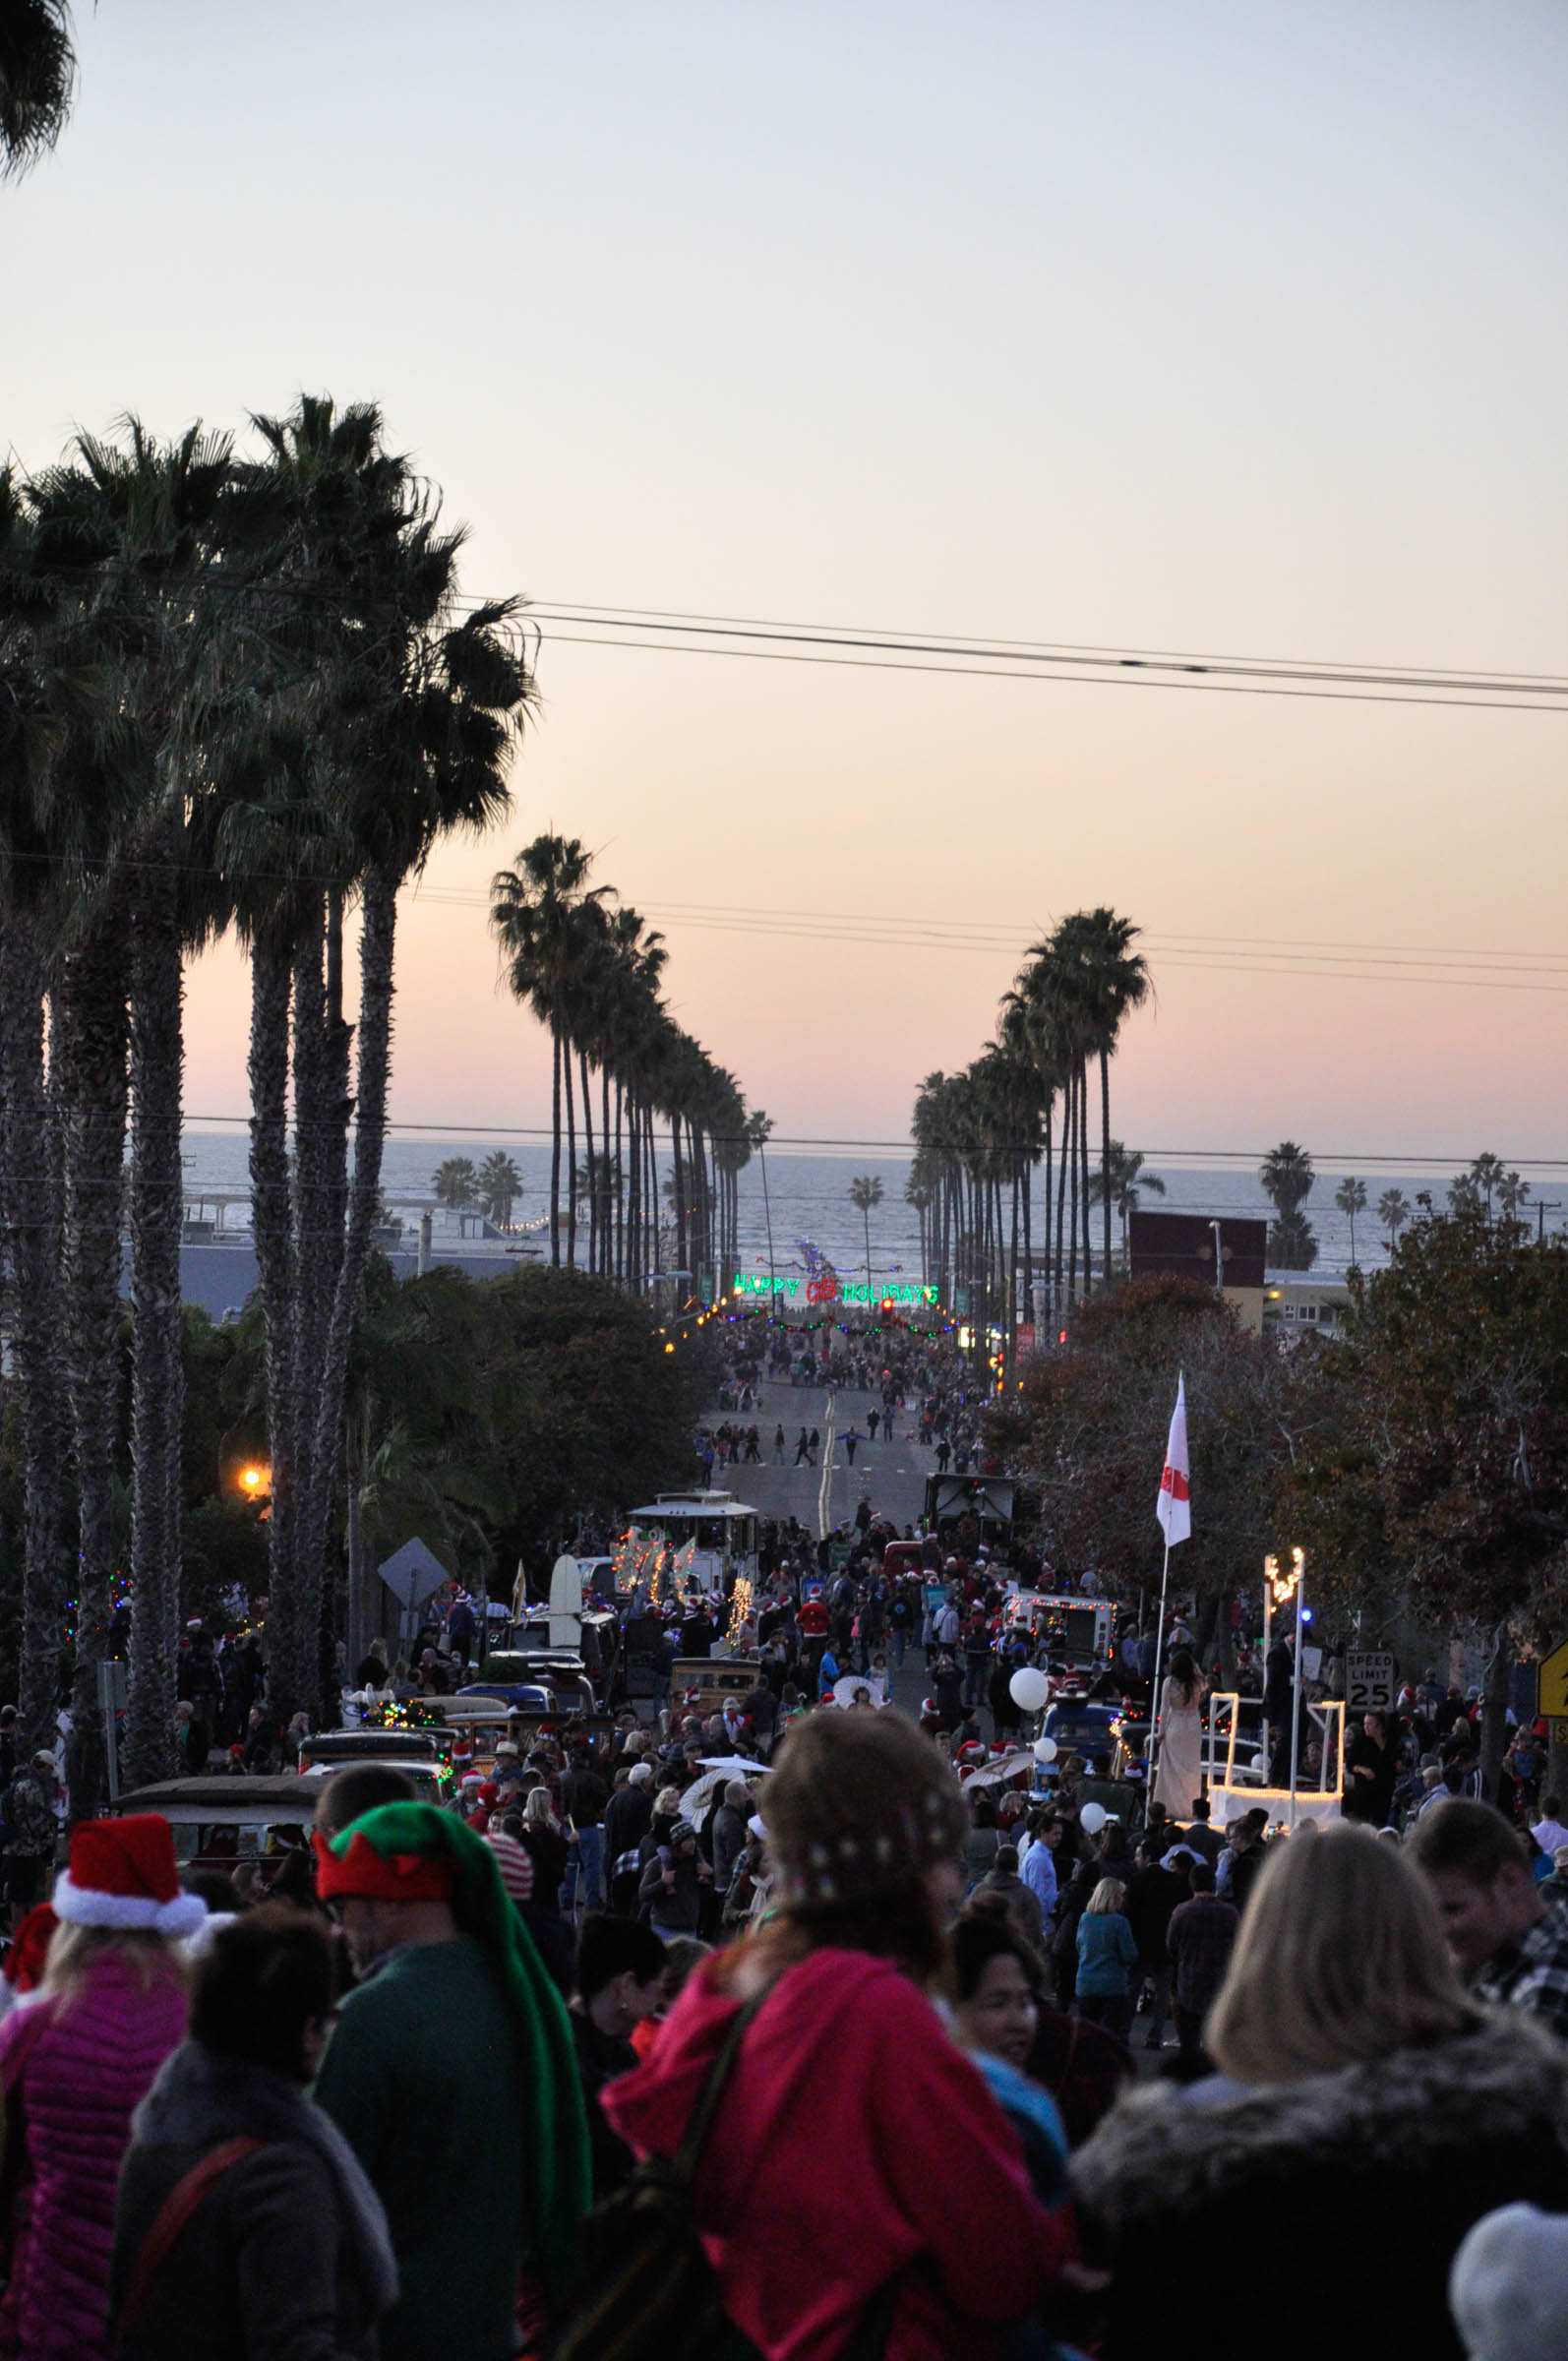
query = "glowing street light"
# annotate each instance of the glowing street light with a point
(255, 1480)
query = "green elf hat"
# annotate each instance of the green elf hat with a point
(414, 1851)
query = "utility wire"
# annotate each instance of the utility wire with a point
(1345, 697)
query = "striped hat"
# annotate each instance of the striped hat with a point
(516, 1865)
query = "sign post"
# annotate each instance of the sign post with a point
(111, 1704)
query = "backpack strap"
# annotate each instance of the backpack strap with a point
(688, 2154)
(173, 2215)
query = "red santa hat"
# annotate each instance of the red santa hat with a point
(123, 1876)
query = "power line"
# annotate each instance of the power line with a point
(1347, 697)
(1407, 1159)
(880, 632)
(1014, 651)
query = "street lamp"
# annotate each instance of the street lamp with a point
(1218, 1259)
(255, 1480)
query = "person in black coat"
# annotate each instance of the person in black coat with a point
(1364, 2109)
(1371, 1766)
(286, 2255)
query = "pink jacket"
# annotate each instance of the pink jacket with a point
(79, 2069)
(854, 2135)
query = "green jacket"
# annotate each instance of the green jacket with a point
(424, 2080)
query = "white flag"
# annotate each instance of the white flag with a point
(1173, 1507)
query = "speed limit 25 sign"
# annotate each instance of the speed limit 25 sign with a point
(1369, 1680)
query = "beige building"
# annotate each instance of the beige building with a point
(1296, 1304)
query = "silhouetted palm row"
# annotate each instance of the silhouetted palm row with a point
(590, 972)
(1025, 1102)
(235, 691)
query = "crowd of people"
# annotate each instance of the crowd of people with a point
(404, 2093)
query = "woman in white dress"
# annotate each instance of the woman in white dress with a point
(1180, 1771)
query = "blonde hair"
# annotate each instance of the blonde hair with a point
(73, 1952)
(1108, 1895)
(538, 1809)
(1340, 1958)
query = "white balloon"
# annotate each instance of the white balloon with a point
(1029, 1688)
(1092, 1819)
(1044, 1750)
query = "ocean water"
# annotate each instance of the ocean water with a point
(811, 1212)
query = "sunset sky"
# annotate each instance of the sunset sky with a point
(1232, 329)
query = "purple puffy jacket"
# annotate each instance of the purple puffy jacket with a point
(79, 2066)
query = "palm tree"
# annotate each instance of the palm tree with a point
(864, 1193)
(1486, 1174)
(1116, 980)
(455, 1182)
(758, 1131)
(1350, 1198)
(1465, 1195)
(1287, 1177)
(536, 913)
(37, 79)
(921, 1197)
(500, 1187)
(1512, 1192)
(1393, 1211)
(1128, 1182)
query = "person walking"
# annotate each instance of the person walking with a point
(1199, 1939)
(778, 1446)
(35, 1833)
(1154, 1892)
(1106, 1956)
(848, 2103)
(1361, 2097)
(286, 2255)
(455, 2046)
(803, 1450)
(75, 2063)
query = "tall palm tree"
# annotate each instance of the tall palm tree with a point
(1512, 1192)
(37, 79)
(864, 1193)
(455, 1182)
(1116, 982)
(535, 912)
(500, 1187)
(1393, 1211)
(1487, 1174)
(1350, 1198)
(759, 1130)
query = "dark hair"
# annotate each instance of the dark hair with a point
(1202, 1878)
(357, 1789)
(979, 1940)
(1552, 1807)
(1007, 1860)
(259, 1984)
(1200, 1808)
(608, 1947)
(1184, 1671)
(295, 1881)
(985, 1810)
(219, 1893)
(1467, 1839)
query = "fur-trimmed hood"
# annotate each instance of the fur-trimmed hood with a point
(1162, 2155)
(201, 2099)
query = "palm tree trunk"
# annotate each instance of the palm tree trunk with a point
(572, 1156)
(767, 1216)
(1104, 1149)
(1083, 1155)
(1044, 1214)
(681, 1235)
(618, 1253)
(593, 1167)
(157, 1379)
(555, 1144)
(287, 1686)
(376, 942)
(30, 1211)
(1067, 1210)
(93, 1038)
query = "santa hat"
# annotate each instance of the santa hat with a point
(361, 1871)
(123, 1876)
(29, 1949)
